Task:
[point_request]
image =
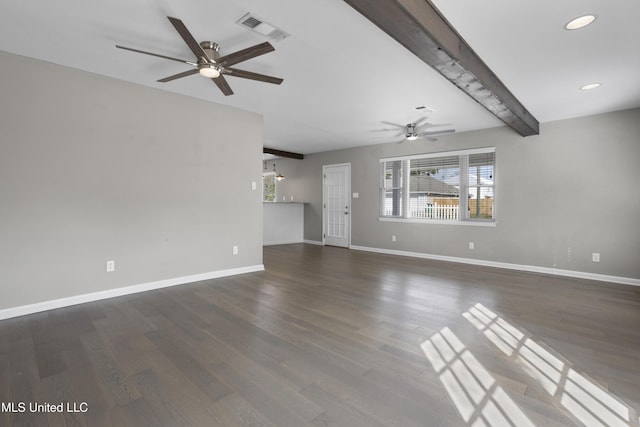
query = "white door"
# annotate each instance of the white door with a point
(336, 211)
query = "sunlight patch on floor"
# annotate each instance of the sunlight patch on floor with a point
(587, 401)
(474, 392)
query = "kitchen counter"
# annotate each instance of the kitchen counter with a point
(283, 223)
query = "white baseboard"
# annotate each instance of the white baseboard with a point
(282, 242)
(520, 267)
(127, 290)
(314, 242)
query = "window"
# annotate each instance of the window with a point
(453, 186)
(481, 185)
(269, 187)
(392, 189)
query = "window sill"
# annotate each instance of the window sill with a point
(438, 221)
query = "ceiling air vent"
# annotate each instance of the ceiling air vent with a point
(256, 24)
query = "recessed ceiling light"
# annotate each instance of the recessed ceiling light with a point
(580, 22)
(590, 86)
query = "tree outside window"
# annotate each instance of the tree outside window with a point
(269, 187)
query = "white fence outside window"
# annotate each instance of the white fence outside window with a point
(432, 212)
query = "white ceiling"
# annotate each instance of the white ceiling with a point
(343, 76)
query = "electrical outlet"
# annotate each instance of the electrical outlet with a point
(472, 245)
(254, 185)
(235, 250)
(111, 266)
(393, 238)
(595, 257)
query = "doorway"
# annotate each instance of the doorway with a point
(336, 203)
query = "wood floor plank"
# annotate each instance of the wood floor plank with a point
(176, 397)
(4, 385)
(140, 413)
(164, 405)
(265, 374)
(264, 400)
(234, 411)
(251, 382)
(5, 341)
(111, 375)
(189, 366)
(292, 335)
(338, 412)
(329, 337)
(317, 338)
(46, 346)
(366, 396)
(90, 390)
(57, 390)
(24, 379)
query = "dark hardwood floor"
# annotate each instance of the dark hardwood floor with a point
(332, 337)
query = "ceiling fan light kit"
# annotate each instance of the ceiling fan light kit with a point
(208, 70)
(210, 64)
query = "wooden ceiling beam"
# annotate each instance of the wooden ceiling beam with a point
(420, 27)
(281, 153)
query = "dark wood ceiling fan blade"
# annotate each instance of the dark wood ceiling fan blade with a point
(428, 125)
(221, 82)
(179, 75)
(234, 72)
(188, 39)
(419, 122)
(156, 54)
(394, 124)
(436, 132)
(245, 54)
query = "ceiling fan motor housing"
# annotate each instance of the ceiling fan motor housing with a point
(211, 49)
(207, 66)
(411, 131)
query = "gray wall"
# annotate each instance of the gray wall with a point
(570, 191)
(94, 169)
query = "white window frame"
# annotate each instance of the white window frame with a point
(463, 186)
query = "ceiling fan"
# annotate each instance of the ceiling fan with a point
(210, 64)
(412, 131)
